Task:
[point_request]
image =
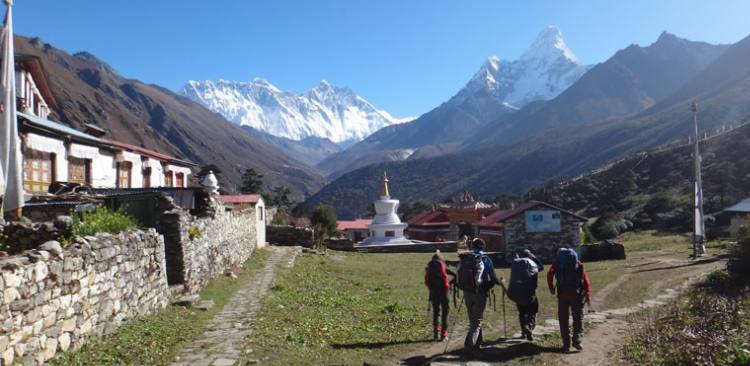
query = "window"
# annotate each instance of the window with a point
(167, 178)
(260, 210)
(179, 180)
(123, 174)
(79, 171)
(38, 170)
(147, 177)
(390, 234)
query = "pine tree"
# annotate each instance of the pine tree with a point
(252, 182)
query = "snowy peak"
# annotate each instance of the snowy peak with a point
(325, 111)
(549, 45)
(542, 72)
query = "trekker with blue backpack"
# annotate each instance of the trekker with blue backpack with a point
(476, 277)
(524, 273)
(573, 290)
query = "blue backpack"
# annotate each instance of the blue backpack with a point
(567, 271)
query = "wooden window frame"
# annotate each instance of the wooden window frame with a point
(74, 162)
(35, 156)
(179, 180)
(168, 178)
(121, 169)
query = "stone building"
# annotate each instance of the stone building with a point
(53, 152)
(240, 202)
(538, 226)
(732, 219)
(451, 220)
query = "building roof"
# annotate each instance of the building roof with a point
(240, 198)
(465, 200)
(34, 65)
(743, 206)
(359, 224)
(58, 128)
(138, 149)
(498, 217)
(430, 218)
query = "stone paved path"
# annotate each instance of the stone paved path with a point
(223, 341)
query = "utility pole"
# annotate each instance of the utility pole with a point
(699, 230)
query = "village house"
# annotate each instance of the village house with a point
(732, 219)
(240, 202)
(354, 230)
(537, 226)
(55, 153)
(449, 221)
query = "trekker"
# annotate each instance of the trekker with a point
(476, 277)
(437, 281)
(524, 273)
(573, 288)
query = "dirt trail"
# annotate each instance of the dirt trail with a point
(603, 339)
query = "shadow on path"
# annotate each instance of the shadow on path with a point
(504, 349)
(374, 345)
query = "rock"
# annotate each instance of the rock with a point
(64, 223)
(69, 325)
(186, 300)
(8, 356)
(4, 341)
(204, 305)
(54, 247)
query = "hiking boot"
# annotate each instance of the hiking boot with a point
(436, 332)
(566, 349)
(529, 336)
(444, 334)
(577, 345)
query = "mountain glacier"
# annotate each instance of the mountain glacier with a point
(325, 111)
(543, 71)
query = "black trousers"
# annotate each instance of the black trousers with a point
(565, 308)
(440, 309)
(527, 316)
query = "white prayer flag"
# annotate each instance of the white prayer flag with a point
(10, 146)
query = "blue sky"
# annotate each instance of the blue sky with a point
(405, 56)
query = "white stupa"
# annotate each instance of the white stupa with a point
(386, 228)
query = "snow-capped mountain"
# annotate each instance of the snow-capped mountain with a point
(541, 73)
(325, 111)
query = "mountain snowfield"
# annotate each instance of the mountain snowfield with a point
(325, 111)
(543, 71)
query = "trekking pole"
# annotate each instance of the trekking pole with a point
(505, 323)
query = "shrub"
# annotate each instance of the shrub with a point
(323, 221)
(194, 232)
(609, 226)
(102, 220)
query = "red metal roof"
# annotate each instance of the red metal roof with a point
(359, 224)
(240, 198)
(498, 217)
(430, 218)
(139, 149)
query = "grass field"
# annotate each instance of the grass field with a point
(155, 339)
(349, 308)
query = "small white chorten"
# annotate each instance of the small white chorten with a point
(386, 227)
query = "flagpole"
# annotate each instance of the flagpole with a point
(699, 231)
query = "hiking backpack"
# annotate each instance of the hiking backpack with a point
(566, 272)
(435, 280)
(523, 281)
(470, 271)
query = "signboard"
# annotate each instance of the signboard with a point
(543, 221)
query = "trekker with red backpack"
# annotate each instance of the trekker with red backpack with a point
(476, 277)
(573, 290)
(437, 281)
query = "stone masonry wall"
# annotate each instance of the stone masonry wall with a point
(543, 245)
(287, 235)
(53, 299)
(201, 249)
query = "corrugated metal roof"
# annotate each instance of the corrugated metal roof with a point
(498, 217)
(359, 224)
(57, 127)
(743, 206)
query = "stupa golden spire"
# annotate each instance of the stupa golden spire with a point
(385, 185)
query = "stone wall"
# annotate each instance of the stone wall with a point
(287, 235)
(25, 235)
(200, 249)
(53, 298)
(543, 245)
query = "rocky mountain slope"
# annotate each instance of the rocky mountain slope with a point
(722, 90)
(495, 92)
(87, 90)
